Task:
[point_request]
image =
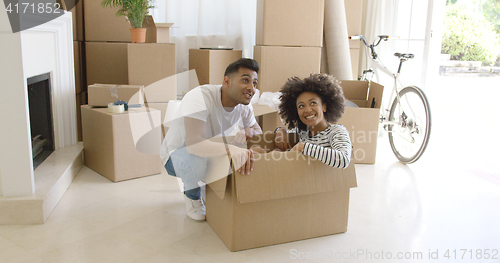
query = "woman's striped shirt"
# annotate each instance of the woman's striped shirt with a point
(331, 146)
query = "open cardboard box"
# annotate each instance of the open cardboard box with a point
(362, 123)
(287, 197)
(156, 32)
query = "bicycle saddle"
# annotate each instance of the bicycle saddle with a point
(404, 55)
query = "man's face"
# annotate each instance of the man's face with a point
(242, 85)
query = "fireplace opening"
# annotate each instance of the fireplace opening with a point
(40, 110)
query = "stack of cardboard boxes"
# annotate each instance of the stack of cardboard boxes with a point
(289, 37)
(104, 54)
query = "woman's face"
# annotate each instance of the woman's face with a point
(311, 110)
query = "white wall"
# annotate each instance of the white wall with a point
(16, 165)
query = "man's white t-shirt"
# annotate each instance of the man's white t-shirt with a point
(204, 103)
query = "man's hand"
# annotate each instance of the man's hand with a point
(281, 140)
(243, 136)
(298, 147)
(243, 159)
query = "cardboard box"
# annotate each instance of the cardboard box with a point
(111, 147)
(362, 123)
(102, 24)
(79, 74)
(290, 23)
(277, 64)
(101, 95)
(162, 107)
(267, 117)
(106, 62)
(210, 64)
(78, 24)
(287, 197)
(149, 62)
(156, 32)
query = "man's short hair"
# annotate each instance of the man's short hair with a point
(242, 63)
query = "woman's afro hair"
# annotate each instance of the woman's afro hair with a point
(324, 85)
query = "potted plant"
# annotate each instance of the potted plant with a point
(134, 11)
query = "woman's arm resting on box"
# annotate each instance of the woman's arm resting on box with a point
(335, 153)
(332, 157)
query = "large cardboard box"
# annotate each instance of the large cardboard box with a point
(287, 197)
(278, 64)
(290, 22)
(210, 64)
(150, 62)
(102, 24)
(106, 62)
(110, 143)
(156, 32)
(362, 123)
(101, 95)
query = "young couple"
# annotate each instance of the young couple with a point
(310, 107)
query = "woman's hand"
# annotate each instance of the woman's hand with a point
(298, 147)
(281, 139)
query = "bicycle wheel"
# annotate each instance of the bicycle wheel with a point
(410, 136)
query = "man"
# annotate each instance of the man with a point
(205, 112)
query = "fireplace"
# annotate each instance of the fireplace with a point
(47, 48)
(41, 123)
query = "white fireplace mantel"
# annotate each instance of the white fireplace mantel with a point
(44, 48)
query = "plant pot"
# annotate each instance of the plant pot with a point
(138, 35)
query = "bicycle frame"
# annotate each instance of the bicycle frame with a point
(395, 91)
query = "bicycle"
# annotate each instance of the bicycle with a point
(408, 120)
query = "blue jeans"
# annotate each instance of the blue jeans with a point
(190, 168)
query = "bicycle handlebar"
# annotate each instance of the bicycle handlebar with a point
(372, 46)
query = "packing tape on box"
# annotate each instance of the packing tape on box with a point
(116, 108)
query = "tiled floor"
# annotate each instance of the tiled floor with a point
(448, 200)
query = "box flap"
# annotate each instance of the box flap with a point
(218, 168)
(260, 109)
(355, 89)
(164, 25)
(375, 95)
(150, 22)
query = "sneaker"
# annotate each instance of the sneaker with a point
(195, 209)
